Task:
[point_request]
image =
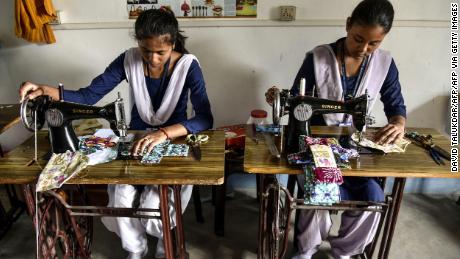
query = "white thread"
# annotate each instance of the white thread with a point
(36, 142)
(36, 222)
(36, 193)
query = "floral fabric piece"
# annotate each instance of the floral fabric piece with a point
(176, 150)
(323, 156)
(164, 149)
(328, 175)
(366, 141)
(155, 156)
(306, 141)
(322, 177)
(101, 147)
(319, 193)
(59, 169)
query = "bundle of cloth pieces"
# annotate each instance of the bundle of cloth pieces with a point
(322, 159)
(93, 149)
(32, 18)
(97, 149)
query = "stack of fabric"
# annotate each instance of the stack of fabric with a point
(321, 159)
(32, 19)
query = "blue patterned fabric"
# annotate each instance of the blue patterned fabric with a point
(164, 149)
(319, 193)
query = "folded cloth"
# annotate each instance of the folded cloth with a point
(305, 142)
(342, 155)
(164, 149)
(299, 158)
(100, 147)
(32, 18)
(319, 193)
(59, 169)
(328, 175)
(176, 150)
(366, 141)
(155, 156)
(323, 156)
(268, 128)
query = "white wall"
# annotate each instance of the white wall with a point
(239, 62)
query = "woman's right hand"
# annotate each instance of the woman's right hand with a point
(32, 90)
(270, 94)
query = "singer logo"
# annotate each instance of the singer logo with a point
(328, 106)
(82, 111)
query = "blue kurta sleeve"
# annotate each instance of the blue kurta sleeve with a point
(390, 93)
(203, 118)
(100, 86)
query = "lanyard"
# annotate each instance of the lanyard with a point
(164, 74)
(343, 77)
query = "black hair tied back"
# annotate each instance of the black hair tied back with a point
(160, 22)
(372, 13)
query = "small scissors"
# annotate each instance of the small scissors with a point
(194, 141)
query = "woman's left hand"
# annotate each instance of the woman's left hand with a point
(393, 131)
(148, 142)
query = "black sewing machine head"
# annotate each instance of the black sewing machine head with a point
(301, 108)
(59, 116)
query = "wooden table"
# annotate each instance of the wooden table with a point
(9, 116)
(172, 171)
(415, 162)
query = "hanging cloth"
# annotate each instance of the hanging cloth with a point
(32, 19)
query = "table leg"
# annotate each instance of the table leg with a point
(392, 216)
(274, 222)
(164, 211)
(179, 226)
(269, 234)
(219, 209)
(262, 220)
(7, 218)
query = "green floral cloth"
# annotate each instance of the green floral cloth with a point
(60, 168)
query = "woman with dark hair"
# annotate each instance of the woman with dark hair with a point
(161, 74)
(342, 70)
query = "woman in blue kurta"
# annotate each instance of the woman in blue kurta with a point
(161, 75)
(342, 70)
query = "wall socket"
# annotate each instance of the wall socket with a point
(287, 12)
(57, 20)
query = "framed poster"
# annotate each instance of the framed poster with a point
(196, 8)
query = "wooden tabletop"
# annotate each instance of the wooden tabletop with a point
(9, 116)
(415, 162)
(171, 170)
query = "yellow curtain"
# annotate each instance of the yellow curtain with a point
(32, 18)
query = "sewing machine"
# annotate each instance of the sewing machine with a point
(301, 108)
(59, 116)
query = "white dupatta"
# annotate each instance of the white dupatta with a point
(329, 84)
(134, 70)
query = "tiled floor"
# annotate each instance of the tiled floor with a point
(428, 227)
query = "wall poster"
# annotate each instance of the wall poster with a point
(196, 8)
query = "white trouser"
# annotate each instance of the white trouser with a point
(357, 230)
(132, 231)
